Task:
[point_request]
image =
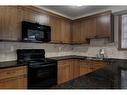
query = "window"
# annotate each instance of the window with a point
(123, 31)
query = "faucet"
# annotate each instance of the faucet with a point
(101, 54)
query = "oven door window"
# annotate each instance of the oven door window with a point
(42, 73)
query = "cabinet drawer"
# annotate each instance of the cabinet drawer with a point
(19, 82)
(13, 72)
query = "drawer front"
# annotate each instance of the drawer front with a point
(19, 82)
(13, 72)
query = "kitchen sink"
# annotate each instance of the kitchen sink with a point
(93, 58)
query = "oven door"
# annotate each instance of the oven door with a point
(42, 76)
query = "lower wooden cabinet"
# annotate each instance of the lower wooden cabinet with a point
(84, 67)
(73, 68)
(76, 68)
(14, 83)
(13, 78)
(65, 71)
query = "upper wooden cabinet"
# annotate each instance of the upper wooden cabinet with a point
(60, 30)
(55, 24)
(76, 32)
(90, 27)
(95, 26)
(66, 31)
(34, 16)
(9, 23)
(63, 30)
(104, 25)
(81, 30)
(11, 18)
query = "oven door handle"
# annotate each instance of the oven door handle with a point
(42, 65)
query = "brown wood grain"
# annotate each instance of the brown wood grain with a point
(73, 68)
(13, 78)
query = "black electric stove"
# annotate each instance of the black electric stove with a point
(42, 72)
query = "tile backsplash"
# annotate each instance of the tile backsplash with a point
(111, 51)
(8, 49)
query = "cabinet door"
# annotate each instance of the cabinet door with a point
(55, 24)
(91, 27)
(60, 30)
(65, 71)
(66, 32)
(34, 16)
(14, 83)
(104, 25)
(9, 23)
(84, 67)
(84, 32)
(76, 29)
(76, 68)
(97, 65)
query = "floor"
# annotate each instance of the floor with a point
(96, 80)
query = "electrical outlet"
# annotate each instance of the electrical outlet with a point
(60, 48)
(12, 48)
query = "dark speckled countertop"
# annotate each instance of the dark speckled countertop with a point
(86, 58)
(8, 64)
(68, 57)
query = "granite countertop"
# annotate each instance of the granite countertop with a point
(68, 57)
(86, 58)
(8, 64)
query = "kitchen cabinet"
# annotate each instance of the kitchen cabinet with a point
(84, 67)
(76, 68)
(94, 65)
(104, 25)
(91, 27)
(88, 29)
(76, 32)
(83, 30)
(95, 26)
(13, 78)
(87, 66)
(55, 24)
(63, 30)
(28, 14)
(66, 31)
(65, 71)
(60, 30)
(10, 23)
(72, 68)
(11, 18)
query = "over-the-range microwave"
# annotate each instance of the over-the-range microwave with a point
(35, 32)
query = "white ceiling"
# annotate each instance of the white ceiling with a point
(74, 12)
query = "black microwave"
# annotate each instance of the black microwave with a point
(35, 32)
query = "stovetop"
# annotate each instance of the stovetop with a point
(37, 62)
